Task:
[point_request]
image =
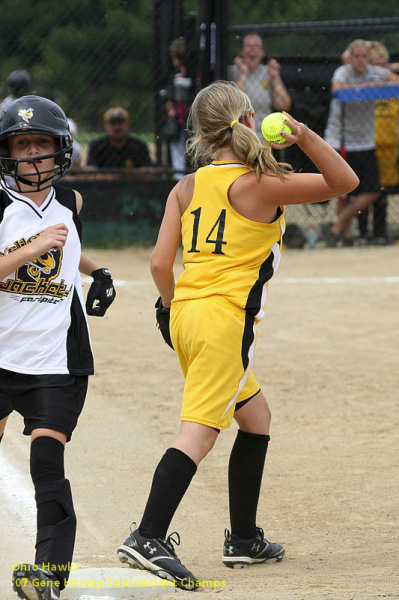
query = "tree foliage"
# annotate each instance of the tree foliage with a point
(90, 54)
(86, 54)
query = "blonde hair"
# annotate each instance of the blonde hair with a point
(378, 50)
(357, 43)
(209, 124)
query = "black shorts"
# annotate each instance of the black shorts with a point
(45, 401)
(364, 163)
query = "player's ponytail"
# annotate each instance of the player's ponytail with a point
(216, 121)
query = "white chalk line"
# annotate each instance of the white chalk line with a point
(18, 496)
(336, 280)
(288, 281)
(17, 489)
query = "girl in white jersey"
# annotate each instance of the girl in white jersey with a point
(45, 352)
(229, 216)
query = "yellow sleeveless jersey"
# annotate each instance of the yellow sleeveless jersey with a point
(224, 253)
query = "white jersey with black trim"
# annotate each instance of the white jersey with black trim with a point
(42, 317)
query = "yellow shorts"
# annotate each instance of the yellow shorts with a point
(215, 342)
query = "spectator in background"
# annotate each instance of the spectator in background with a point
(334, 117)
(261, 82)
(352, 124)
(77, 147)
(118, 150)
(387, 146)
(346, 56)
(379, 56)
(19, 83)
(178, 95)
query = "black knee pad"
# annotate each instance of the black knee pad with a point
(46, 460)
(55, 543)
(58, 491)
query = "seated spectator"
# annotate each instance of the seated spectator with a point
(118, 150)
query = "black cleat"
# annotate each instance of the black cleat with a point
(157, 556)
(33, 583)
(239, 553)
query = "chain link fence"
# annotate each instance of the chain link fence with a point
(145, 60)
(312, 56)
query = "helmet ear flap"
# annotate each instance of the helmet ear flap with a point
(64, 153)
(4, 149)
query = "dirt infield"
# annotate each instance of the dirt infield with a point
(327, 357)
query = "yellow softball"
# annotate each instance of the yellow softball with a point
(272, 125)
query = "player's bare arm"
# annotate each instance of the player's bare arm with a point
(163, 256)
(52, 237)
(336, 176)
(101, 293)
(87, 265)
(79, 201)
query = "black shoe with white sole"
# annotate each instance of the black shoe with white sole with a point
(239, 552)
(157, 556)
(31, 582)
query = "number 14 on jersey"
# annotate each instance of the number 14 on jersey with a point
(219, 225)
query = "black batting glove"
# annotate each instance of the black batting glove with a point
(101, 293)
(163, 317)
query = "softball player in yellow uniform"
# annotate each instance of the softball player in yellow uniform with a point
(229, 217)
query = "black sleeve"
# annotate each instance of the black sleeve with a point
(67, 198)
(4, 202)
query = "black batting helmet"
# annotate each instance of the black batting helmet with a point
(40, 116)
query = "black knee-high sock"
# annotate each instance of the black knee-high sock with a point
(246, 464)
(47, 464)
(171, 479)
(56, 520)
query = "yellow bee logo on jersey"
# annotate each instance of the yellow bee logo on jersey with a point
(34, 281)
(265, 84)
(26, 114)
(41, 266)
